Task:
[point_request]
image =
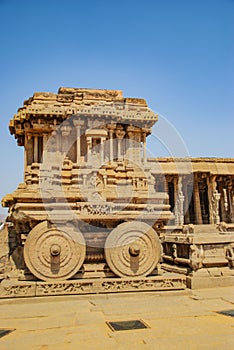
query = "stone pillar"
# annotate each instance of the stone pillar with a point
(197, 204)
(29, 150)
(35, 149)
(78, 144)
(25, 154)
(175, 180)
(111, 145)
(89, 147)
(176, 189)
(144, 149)
(120, 135)
(225, 204)
(78, 124)
(111, 128)
(211, 186)
(130, 144)
(119, 149)
(65, 133)
(230, 197)
(44, 145)
(186, 202)
(166, 180)
(102, 151)
(179, 201)
(216, 206)
(137, 148)
(215, 198)
(45, 139)
(25, 151)
(225, 197)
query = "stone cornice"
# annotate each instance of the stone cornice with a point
(110, 105)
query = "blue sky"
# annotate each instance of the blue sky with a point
(177, 54)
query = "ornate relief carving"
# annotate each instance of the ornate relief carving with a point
(196, 257)
(229, 254)
(109, 285)
(17, 289)
(222, 227)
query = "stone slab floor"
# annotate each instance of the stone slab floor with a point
(177, 320)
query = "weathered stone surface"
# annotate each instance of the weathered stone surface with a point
(51, 254)
(207, 258)
(90, 286)
(132, 249)
(4, 250)
(93, 205)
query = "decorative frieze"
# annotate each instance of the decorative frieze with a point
(90, 286)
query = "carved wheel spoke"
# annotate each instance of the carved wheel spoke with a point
(52, 253)
(132, 249)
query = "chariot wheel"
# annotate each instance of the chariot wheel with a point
(52, 253)
(132, 249)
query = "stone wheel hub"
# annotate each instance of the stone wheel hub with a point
(132, 249)
(55, 249)
(53, 253)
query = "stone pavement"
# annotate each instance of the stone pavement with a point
(177, 320)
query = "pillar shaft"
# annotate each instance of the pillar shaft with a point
(35, 152)
(197, 204)
(89, 146)
(78, 153)
(144, 149)
(45, 139)
(119, 149)
(102, 151)
(111, 146)
(230, 195)
(186, 203)
(211, 186)
(25, 154)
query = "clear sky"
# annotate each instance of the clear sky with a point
(177, 54)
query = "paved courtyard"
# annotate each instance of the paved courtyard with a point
(177, 320)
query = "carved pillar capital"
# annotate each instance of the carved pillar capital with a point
(78, 123)
(111, 127)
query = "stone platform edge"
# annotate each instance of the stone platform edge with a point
(194, 282)
(18, 289)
